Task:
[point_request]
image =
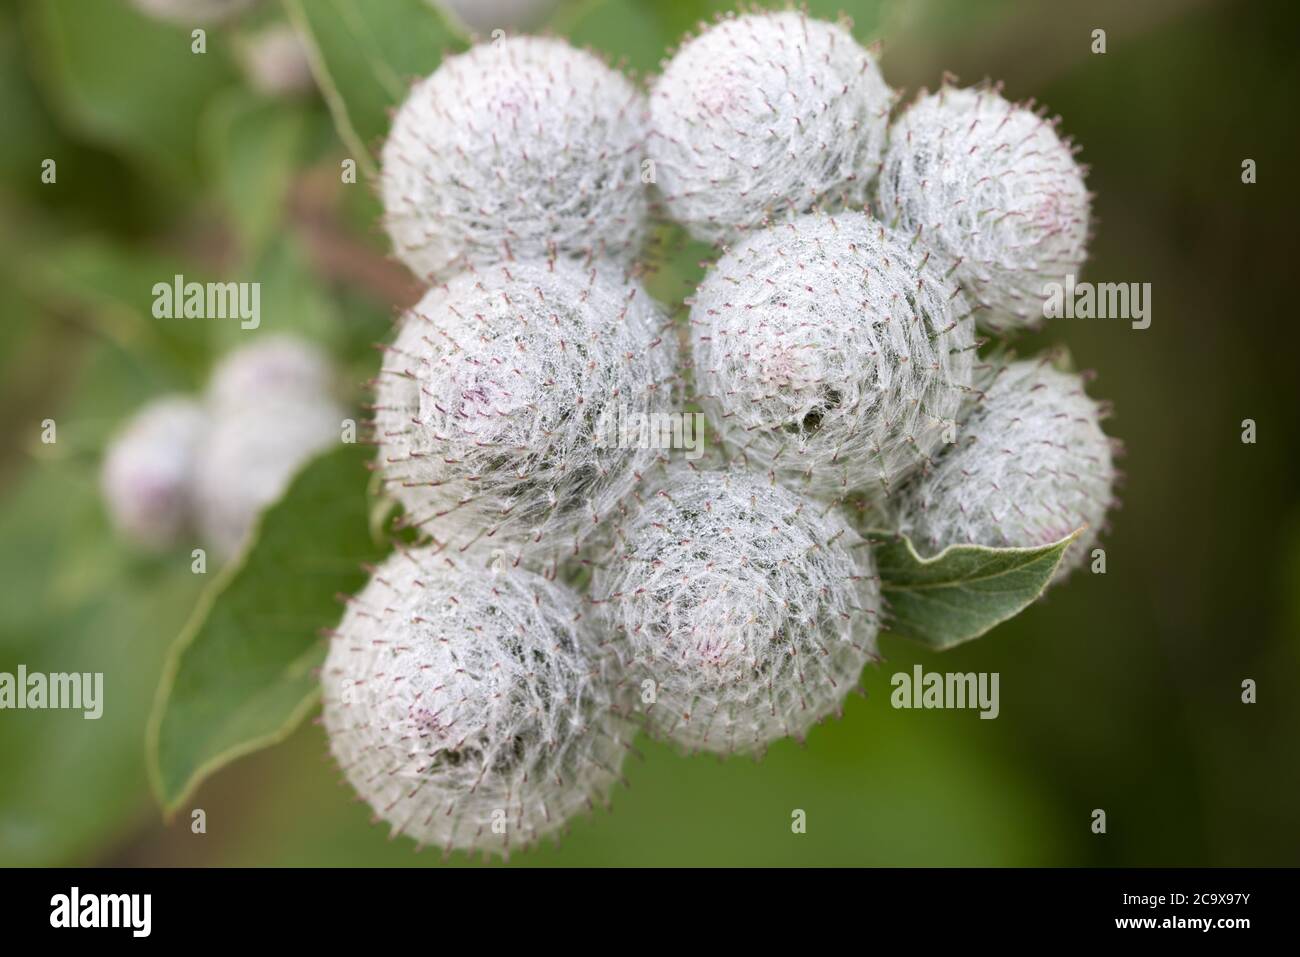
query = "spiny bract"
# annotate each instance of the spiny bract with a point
(148, 472)
(497, 407)
(745, 612)
(990, 188)
(1030, 466)
(831, 354)
(763, 115)
(520, 147)
(470, 710)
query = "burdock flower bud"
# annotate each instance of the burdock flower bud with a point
(831, 354)
(763, 115)
(248, 459)
(992, 190)
(520, 147)
(149, 470)
(497, 411)
(275, 61)
(276, 367)
(745, 612)
(1030, 466)
(272, 408)
(470, 710)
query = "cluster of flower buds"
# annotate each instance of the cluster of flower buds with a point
(474, 696)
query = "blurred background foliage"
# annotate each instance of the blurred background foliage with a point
(1120, 692)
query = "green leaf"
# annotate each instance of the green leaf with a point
(642, 33)
(364, 55)
(109, 285)
(293, 300)
(75, 599)
(629, 32)
(242, 674)
(128, 81)
(963, 591)
(253, 146)
(30, 132)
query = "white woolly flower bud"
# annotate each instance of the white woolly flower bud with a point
(992, 190)
(746, 612)
(192, 11)
(831, 354)
(148, 471)
(272, 409)
(498, 406)
(248, 459)
(520, 147)
(763, 115)
(1031, 465)
(471, 711)
(275, 367)
(275, 61)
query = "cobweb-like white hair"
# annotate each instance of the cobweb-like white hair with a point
(764, 115)
(1030, 466)
(470, 710)
(831, 354)
(497, 407)
(148, 472)
(750, 609)
(992, 190)
(520, 147)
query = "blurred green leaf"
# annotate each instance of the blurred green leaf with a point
(89, 184)
(242, 675)
(19, 319)
(128, 81)
(113, 384)
(880, 787)
(76, 600)
(364, 56)
(676, 265)
(253, 145)
(30, 136)
(366, 327)
(292, 299)
(644, 32)
(963, 591)
(109, 285)
(627, 31)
